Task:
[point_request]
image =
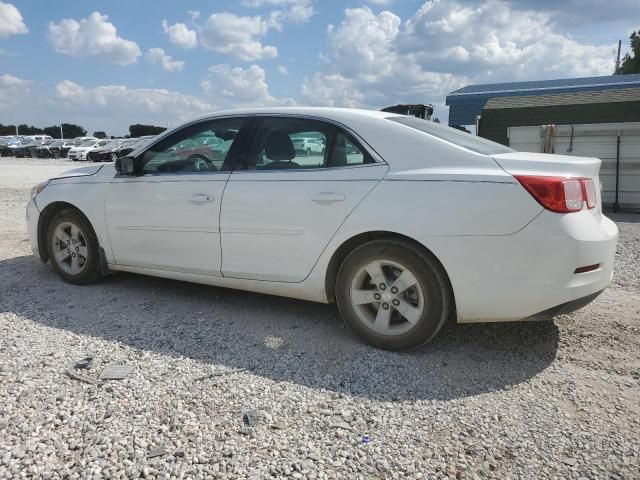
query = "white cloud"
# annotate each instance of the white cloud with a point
(237, 36)
(377, 59)
(181, 35)
(499, 43)
(283, 70)
(11, 22)
(92, 36)
(240, 87)
(296, 11)
(157, 55)
(115, 107)
(121, 97)
(13, 91)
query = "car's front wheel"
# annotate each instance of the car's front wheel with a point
(73, 248)
(393, 295)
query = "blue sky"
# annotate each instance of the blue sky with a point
(107, 64)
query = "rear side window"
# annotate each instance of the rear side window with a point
(453, 135)
(283, 143)
(289, 143)
(347, 152)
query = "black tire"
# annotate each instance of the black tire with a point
(432, 280)
(91, 270)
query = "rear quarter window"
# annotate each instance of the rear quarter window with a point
(453, 135)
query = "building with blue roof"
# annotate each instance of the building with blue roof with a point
(466, 103)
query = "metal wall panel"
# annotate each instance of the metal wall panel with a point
(595, 140)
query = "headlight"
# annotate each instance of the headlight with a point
(38, 188)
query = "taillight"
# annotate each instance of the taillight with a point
(560, 194)
(589, 192)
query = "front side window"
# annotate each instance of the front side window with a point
(201, 147)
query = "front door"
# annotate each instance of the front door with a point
(167, 218)
(284, 201)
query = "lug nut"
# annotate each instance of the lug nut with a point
(394, 290)
(385, 306)
(376, 296)
(77, 249)
(396, 302)
(382, 286)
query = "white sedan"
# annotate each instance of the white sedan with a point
(402, 222)
(79, 152)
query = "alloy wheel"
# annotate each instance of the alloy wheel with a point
(69, 247)
(387, 297)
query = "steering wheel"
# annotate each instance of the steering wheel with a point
(201, 163)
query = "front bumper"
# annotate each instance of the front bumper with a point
(33, 216)
(81, 156)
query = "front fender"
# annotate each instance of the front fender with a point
(86, 197)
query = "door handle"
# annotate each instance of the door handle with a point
(200, 198)
(326, 198)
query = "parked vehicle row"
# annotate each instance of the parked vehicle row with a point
(77, 149)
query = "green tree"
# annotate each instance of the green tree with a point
(69, 130)
(7, 129)
(631, 62)
(25, 129)
(138, 130)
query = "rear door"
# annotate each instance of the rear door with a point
(282, 204)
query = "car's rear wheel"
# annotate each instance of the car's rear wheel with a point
(73, 248)
(393, 295)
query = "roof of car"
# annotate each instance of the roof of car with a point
(325, 112)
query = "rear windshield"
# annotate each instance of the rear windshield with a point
(453, 135)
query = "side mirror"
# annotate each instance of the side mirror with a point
(126, 165)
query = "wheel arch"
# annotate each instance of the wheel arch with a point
(43, 221)
(360, 239)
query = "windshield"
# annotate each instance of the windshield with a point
(88, 143)
(453, 135)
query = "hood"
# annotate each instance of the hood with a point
(80, 172)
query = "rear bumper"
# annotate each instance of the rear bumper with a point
(530, 273)
(565, 308)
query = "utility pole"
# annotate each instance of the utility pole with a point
(61, 134)
(618, 58)
(17, 131)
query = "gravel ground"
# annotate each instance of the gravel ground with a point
(524, 400)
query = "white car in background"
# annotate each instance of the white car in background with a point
(79, 152)
(402, 222)
(308, 146)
